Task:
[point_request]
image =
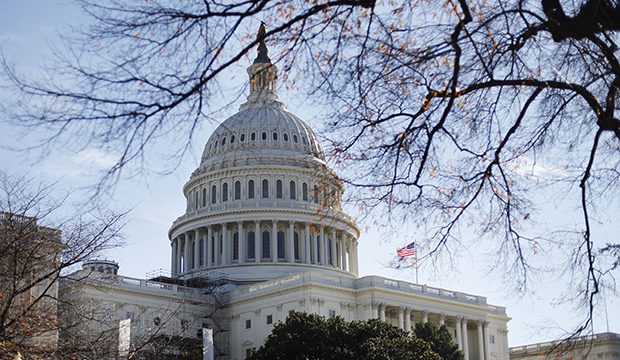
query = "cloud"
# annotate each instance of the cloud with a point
(529, 168)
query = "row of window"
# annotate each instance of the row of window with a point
(263, 192)
(264, 136)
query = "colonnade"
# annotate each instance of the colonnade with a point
(263, 241)
(459, 323)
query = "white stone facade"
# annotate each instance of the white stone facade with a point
(263, 209)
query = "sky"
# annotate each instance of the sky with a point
(28, 30)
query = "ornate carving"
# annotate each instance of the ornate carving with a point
(352, 306)
(256, 312)
(401, 310)
(314, 300)
(321, 301)
(442, 316)
(425, 313)
(302, 301)
(279, 307)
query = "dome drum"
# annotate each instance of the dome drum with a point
(263, 203)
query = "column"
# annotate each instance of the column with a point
(314, 249)
(290, 242)
(442, 319)
(225, 245)
(382, 307)
(196, 248)
(401, 311)
(465, 339)
(274, 241)
(459, 337)
(479, 323)
(323, 246)
(485, 334)
(425, 316)
(208, 246)
(349, 239)
(407, 319)
(242, 242)
(504, 334)
(334, 255)
(216, 240)
(356, 269)
(258, 242)
(307, 241)
(375, 307)
(173, 260)
(186, 256)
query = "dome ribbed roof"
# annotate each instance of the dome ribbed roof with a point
(263, 129)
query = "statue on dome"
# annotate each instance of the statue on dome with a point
(262, 48)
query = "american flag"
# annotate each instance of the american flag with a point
(408, 250)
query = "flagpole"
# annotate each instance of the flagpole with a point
(416, 263)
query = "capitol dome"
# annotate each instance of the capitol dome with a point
(263, 203)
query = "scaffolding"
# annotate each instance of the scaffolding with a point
(212, 287)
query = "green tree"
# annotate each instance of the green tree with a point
(440, 340)
(309, 336)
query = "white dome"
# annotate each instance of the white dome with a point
(262, 128)
(263, 203)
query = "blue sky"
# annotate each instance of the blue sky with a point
(27, 30)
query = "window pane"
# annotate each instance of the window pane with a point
(316, 194)
(251, 247)
(204, 197)
(251, 189)
(236, 246)
(279, 189)
(296, 245)
(225, 192)
(265, 189)
(318, 248)
(280, 245)
(305, 191)
(238, 190)
(213, 194)
(266, 248)
(292, 190)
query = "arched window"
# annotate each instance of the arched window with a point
(292, 190)
(279, 189)
(242, 137)
(324, 201)
(232, 139)
(275, 136)
(236, 246)
(251, 189)
(213, 194)
(296, 245)
(196, 200)
(265, 189)
(225, 192)
(264, 135)
(281, 245)
(316, 194)
(204, 197)
(253, 136)
(238, 190)
(266, 247)
(304, 191)
(295, 139)
(285, 137)
(223, 141)
(318, 248)
(251, 245)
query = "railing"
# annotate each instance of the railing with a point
(263, 203)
